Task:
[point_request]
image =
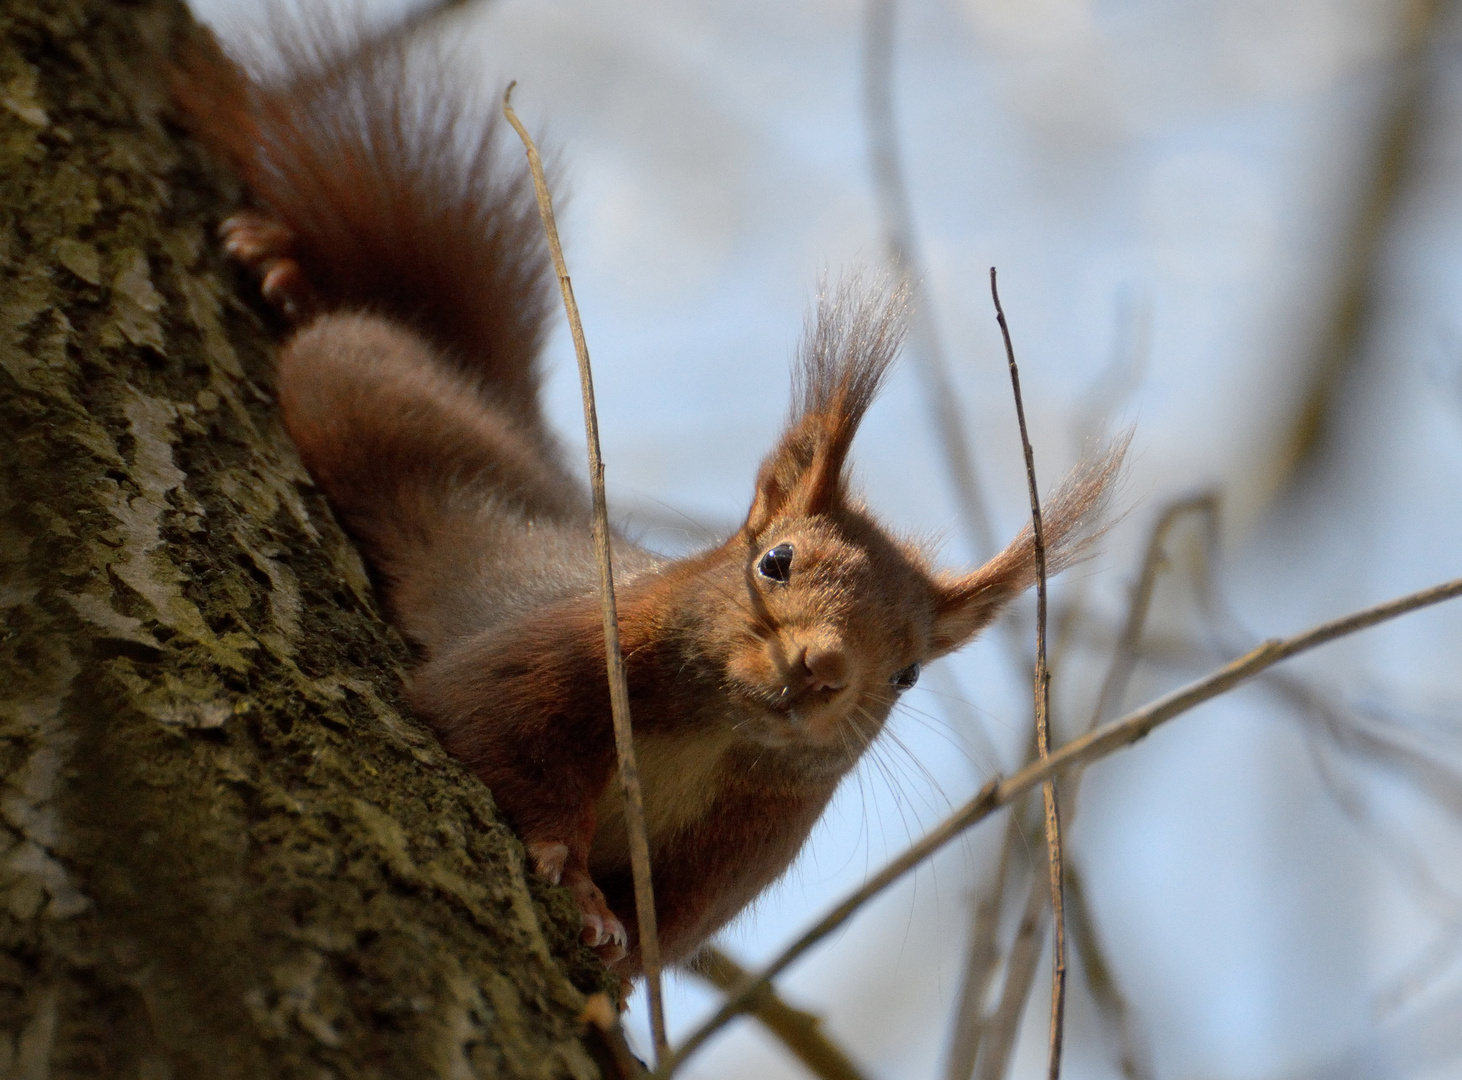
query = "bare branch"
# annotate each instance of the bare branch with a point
(413, 22)
(899, 238)
(940, 403)
(801, 1032)
(1100, 979)
(981, 960)
(1020, 974)
(1078, 753)
(1136, 725)
(1111, 1003)
(1124, 658)
(1116, 383)
(1393, 165)
(629, 775)
(431, 11)
(1419, 1045)
(1043, 709)
(604, 1037)
(970, 1025)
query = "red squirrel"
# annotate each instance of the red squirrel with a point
(403, 245)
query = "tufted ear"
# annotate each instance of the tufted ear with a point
(845, 355)
(1072, 520)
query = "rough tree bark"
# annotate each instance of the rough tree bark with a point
(225, 850)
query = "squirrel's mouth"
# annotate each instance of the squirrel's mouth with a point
(821, 722)
(809, 700)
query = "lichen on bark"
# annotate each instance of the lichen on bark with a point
(225, 848)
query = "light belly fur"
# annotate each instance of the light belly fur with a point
(679, 779)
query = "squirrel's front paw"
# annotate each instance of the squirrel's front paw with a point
(548, 859)
(267, 247)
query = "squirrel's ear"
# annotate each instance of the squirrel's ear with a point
(803, 475)
(845, 354)
(1072, 520)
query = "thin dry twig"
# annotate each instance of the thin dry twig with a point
(605, 1041)
(981, 961)
(1111, 1003)
(413, 22)
(1114, 385)
(1124, 657)
(801, 1032)
(629, 775)
(1112, 388)
(1393, 165)
(1043, 709)
(1417, 1045)
(1136, 725)
(971, 1024)
(1380, 740)
(1020, 974)
(901, 242)
(433, 10)
(1079, 753)
(892, 194)
(1100, 980)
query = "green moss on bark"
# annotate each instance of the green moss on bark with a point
(225, 849)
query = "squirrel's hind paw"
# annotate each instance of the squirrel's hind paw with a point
(602, 932)
(266, 246)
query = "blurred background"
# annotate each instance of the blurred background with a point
(1232, 225)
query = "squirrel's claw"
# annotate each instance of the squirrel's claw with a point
(266, 247)
(252, 238)
(602, 931)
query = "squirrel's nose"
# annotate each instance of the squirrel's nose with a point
(823, 668)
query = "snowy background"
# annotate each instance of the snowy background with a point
(1178, 195)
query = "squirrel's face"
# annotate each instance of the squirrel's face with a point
(827, 624)
(813, 618)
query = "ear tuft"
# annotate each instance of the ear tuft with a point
(1073, 519)
(846, 352)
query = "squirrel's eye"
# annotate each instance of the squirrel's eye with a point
(776, 564)
(904, 678)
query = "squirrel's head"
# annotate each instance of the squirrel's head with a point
(829, 617)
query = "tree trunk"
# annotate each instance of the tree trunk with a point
(225, 850)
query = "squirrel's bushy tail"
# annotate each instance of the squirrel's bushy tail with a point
(399, 201)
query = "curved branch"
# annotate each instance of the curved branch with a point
(1078, 753)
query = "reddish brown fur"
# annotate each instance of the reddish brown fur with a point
(410, 390)
(392, 207)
